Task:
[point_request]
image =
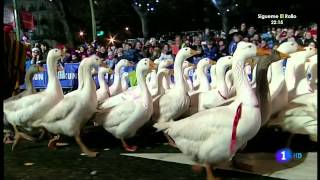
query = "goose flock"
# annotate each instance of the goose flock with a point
(207, 121)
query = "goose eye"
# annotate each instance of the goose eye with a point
(145, 63)
(292, 44)
(249, 46)
(185, 49)
(229, 58)
(56, 50)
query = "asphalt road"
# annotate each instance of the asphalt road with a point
(66, 163)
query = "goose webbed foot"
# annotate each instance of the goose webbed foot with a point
(53, 142)
(128, 147)
(7, 139)
(84, 148)
(210, 175)
(20, 136)
(197, 168)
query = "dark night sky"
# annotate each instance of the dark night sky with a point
(183, 15)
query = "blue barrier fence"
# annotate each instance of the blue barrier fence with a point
(68, 77)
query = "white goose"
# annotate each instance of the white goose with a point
(152, 76)
(115, 88)
(161, 74)
(299, 116)
(215, 97)
(305, 85)
(124, 81)
(277, 86)
(71, 114)
(176, 101)
(125, 119)
(213, 136)
(229, 83)
(188, 67)
(34, 69)
(295, 71)
(204, 86)
(23, 111)
(103, 91)
(213, 76)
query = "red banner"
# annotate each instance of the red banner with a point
(27, 21)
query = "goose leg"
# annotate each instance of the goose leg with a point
(197, 168)
(210, 175)
(84, 148)
(128, 147)
(53, 142)
(18, 136)
(170, 141)
(7, 138)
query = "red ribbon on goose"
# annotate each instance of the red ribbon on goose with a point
(234, 129)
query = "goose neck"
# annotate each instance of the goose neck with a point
(220, 78)
(204, 82)
(178, 74)
(141, 80)
(102, 81)
(241, 84)
(53, 81)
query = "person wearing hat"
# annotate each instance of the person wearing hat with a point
(35, 56)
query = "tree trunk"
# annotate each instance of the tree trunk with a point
(144, 21)
(65, 24)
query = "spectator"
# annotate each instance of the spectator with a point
(251, 31)
(35, 56)
(138, 54)
(176, 46)
(166, 53)
(222, 50)
(308, 38)
(74, 57)
(233, 43)
(111, 60)
(243, 29)
(44, 50)
(210, 51)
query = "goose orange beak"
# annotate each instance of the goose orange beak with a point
(131, 63)
(41, 68)
(110, 71)
(191, 65)
(102, 64)
(171, 72)
(60, 68)
(284, 55)
(212, 62)
(152, 65)
(300, 48)
(194, 52)
(170, 62)
(263, 52)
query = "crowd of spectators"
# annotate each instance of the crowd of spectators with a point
(210, 44)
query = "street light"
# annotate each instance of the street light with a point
(81, 33)
(127, 28)
(112, 39)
